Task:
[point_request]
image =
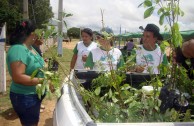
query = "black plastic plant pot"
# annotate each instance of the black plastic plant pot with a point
(135, 79)
(55, 66)
(181, 107)
(170, 99)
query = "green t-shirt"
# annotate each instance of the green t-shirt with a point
(75, 51)
(33, 62)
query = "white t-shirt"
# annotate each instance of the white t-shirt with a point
(151, 59)
(103, 60)
(83, 50)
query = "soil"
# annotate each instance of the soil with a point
(10, 118)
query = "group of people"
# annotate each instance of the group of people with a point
(88, 55)
(24, 57)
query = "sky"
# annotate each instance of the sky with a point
(117, 13)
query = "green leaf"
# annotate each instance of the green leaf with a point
(161, 19)
(38, 90)
(114, 99)
(167, 14)
(43, 88)
(97, 90)
(187, 117)
(156, 108)
(176, 37)
(110, 93)
(47, 87)
(34, 73)
(147, 3)
(140, 4)
(160, 11)
(49, 95)
(65, 23)
(48, 73)
(125, 87)
(166, 43)
(66, 14)
(157, 1)
(38, 32)
(54, 19)
(181, 13)
(69, 15)
(58, 92)
(47, 34)
(188, 62)
(148, 12)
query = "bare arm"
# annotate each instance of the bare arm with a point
(73, 61)
(19, 76)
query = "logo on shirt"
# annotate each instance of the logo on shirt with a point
(107, 58)
(149, 58)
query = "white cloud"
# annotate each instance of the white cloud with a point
(124, 13)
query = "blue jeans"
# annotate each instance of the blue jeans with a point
(27, 107)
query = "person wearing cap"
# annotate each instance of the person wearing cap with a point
(82, 49)
(105, 57)
(149, 55)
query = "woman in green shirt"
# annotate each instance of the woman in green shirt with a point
(22, 61)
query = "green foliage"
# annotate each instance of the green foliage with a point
(112, 101)
(41, 11)
(9, 14)
(50, 79)
(73, 32)
(65, 15)
(107, 36)
(148, 12)
(176, 36)
(46, 33)
(170, 11)
(147, 3)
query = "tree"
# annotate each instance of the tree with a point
(73, 32)
(9, 13)
(40, 11)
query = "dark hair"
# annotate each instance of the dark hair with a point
(88, 31)
(22, 31)
(154, 29)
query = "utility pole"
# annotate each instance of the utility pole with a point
(102, 14)
(25, 10)
(120, 37)
(60, 27)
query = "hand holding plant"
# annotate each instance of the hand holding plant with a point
(140, 68)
